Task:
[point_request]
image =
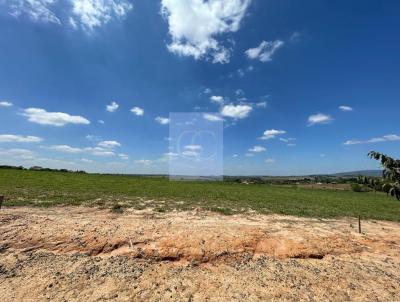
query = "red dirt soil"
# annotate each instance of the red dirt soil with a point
(80, 253)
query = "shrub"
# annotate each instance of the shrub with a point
(356, 188)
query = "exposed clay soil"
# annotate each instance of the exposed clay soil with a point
(88, 254)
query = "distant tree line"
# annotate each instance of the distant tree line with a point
(38, 168)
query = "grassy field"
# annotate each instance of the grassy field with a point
(56, 188)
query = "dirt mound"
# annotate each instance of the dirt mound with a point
(122, 255)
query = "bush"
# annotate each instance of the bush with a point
(356, 188)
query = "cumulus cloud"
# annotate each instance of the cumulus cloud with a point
(90, 14)
(212, 117)
(385, 138)
(98, 151)
(22, 154)
(84, 14)
(319, 118)
(272, 133)
(103, 148)
(65, 149)
(345, 108)
(217, 99)
(137, 111)
(162, 120)
(264, 51)
(11, 138)
(269, 161)
(41, 116)
(5, 104)
(109, 144)
(112, 107)
(236, 111)
(194, 26)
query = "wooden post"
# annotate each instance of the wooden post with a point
(1, 200)
(359, 224)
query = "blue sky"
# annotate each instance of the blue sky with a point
(301, 87)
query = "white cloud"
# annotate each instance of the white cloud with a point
(84, 14)
(249, 154)
(41, 116)
(264, 51)
(217, 99)
(170, 154)
(261, 104)
(207, 91)
(138, 111)
(112, 107)
(109, 144)
(99, 151)
(65, 149)
(257, 149)
(195, 24)
(123, 156)
(101, 122)
(239, 92)
(5, 104)
(385, 138)
(144, 161)
(95, 13)
(212, 117)
(162, 120)
(236, 111)
(85, 160)
(319, 118)
(345, 108)
(93, 138)
(286, 140)
(235, 155)
(269, 134)
(22, 154)
(36, 10)
(104, 148)
(193, 147)
(10, 138)
(269, 161)
(190, 153)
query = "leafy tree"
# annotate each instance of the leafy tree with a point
(391, 172)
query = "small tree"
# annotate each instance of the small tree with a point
(391, 171)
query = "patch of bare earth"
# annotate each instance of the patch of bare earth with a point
(87, 254)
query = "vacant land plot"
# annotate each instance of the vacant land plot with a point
(86, 254)
(53, 188)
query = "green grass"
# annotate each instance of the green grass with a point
(55, 188)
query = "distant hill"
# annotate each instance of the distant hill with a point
(370, 173)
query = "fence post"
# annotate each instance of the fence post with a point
(359, 224)
(1, 200)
